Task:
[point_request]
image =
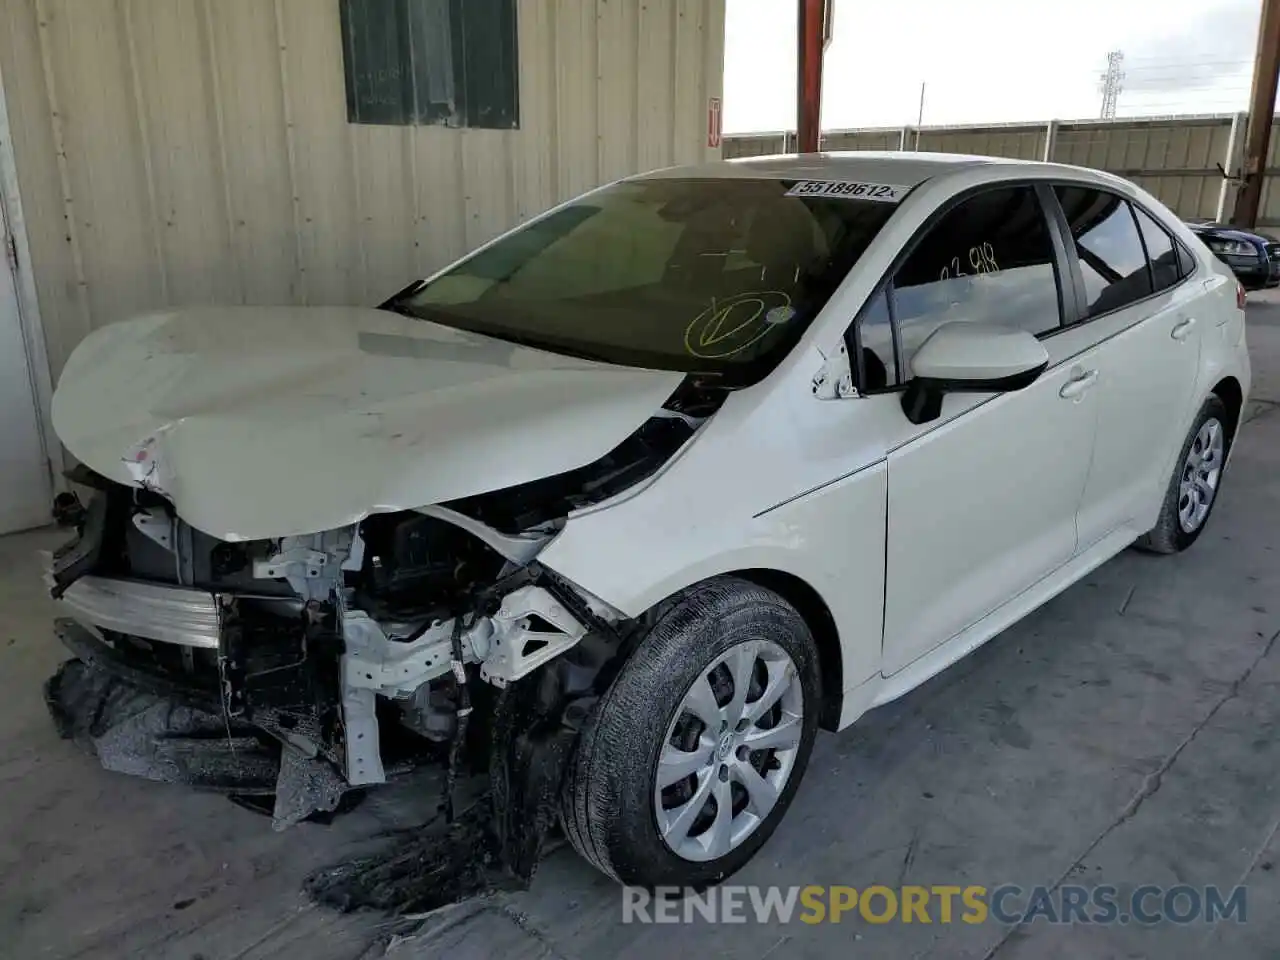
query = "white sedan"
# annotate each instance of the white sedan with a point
(702, 461)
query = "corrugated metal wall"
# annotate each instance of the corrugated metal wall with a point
(195, 151)
(863, 140)
(1269, 209)
(1173, 158)
(1022, 142)
(758, 144)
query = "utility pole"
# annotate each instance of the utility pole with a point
(812, 37)
(920, 115)
(1112, 84)
(1262, 105)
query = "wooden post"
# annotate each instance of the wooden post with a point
(1262, 106)
(809, 81)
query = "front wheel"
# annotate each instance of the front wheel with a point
(1193, 488)
(693, 755)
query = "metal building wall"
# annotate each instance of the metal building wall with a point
(1171, 158)
(759, 145)
(195, 151)
(862, 140)
(1269, 208)
(1022, 141)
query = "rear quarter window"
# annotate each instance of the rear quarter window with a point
(1186, 262)
(1160, 250)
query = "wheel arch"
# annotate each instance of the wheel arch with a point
(1229, 391)
(826, 635)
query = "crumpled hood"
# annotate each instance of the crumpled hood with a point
(274, 421)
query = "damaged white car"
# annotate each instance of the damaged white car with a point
(698, 463)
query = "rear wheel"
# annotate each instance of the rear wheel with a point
(1193, 488)
(694, 754)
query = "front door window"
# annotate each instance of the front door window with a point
(990, 259)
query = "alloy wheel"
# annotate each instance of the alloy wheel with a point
(1201, 472)
(729, 750)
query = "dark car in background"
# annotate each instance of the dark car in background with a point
(1253, 257)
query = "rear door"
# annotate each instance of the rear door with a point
(1139, 311)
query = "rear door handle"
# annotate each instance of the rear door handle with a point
(1182, 329)
(1076, 386)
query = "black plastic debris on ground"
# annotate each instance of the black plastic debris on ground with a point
(264, 805)
(494, 845)
(420, 872)
(145, 734)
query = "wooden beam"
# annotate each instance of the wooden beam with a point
(1262, 106)
(809, 86)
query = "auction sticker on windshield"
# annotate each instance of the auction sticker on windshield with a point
(849, 190)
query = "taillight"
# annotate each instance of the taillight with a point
(1240, 298)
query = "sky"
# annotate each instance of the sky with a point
(990, 60)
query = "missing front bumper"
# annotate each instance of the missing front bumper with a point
(146, 724)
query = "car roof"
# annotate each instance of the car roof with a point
(872, 166)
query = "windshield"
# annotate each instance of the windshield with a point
(716, 276)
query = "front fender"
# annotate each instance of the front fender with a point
(636, 553)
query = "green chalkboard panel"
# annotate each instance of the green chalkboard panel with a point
(377, 58)
(450, 62)
(485, 33)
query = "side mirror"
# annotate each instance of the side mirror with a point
(964, 356)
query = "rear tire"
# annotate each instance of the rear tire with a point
(647, 729)
(1190, 498)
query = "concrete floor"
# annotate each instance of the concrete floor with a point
(1123, 734)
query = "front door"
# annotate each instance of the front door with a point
(25, 493)
(982, 501)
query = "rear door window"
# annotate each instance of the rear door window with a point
(1110, 250)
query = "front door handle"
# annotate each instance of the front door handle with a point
(1076, 386)
(1182, 329)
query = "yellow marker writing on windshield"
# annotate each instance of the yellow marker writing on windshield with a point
(729, 326)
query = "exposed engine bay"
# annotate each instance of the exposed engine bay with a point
(339, 659)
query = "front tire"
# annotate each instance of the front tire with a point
(1197, 478)
(694, 753)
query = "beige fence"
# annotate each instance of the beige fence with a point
(1181, 160)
